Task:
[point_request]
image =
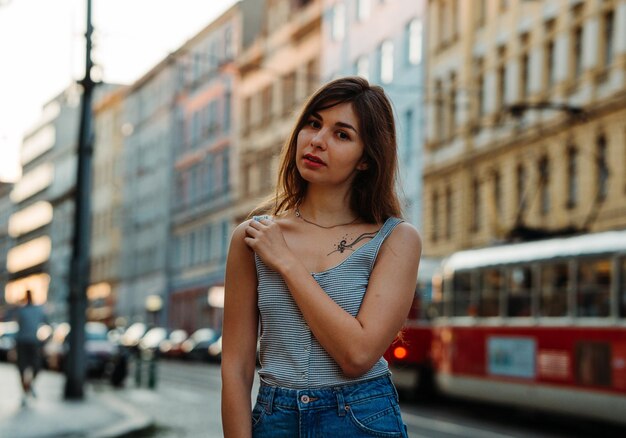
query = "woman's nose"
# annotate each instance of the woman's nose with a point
(319, 139)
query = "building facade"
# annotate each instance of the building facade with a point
(42, 221)
(205, 166)
(150, 132)
(279, 70)
(6, 209)
(525, 133)
(106, 207)
(383, 42)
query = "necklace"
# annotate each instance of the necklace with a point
(298, 214)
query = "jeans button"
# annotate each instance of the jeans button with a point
(305, 399)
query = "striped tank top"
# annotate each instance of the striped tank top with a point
(290, 355)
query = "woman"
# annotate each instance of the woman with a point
(328, 280)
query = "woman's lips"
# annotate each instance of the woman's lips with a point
(313, 161)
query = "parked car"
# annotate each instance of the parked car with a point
(100, 351)
(152, 339)
(133, 334)
(8, 330)
(172, 345)
(197, 346)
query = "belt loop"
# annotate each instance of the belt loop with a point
(270, 400)
(341, 405)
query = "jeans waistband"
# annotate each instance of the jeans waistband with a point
(321, 398)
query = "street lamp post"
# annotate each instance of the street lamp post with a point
(79, 269)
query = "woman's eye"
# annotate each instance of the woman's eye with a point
(342, 135)
(314, 123)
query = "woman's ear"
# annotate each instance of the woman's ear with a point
(362, 165)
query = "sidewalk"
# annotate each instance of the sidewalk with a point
(102, 413)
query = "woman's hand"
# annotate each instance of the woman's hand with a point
(265, 238)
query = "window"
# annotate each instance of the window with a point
(572, 177)
(525, 75)
(544, 185)
(414, 41)
(501, 78)
(520, 285)
(289, 92)
(462, 295)
(448, 212)
(439, 110)
(195, 129)
(481, 12)
(608, 24)
(363, 9)
(549, 55)
(576, 42)
(386, 62)
(594, 285)
(227, 111)
(497, 193)
(435, 216)
(521, 186)
(553, 289)
(451, 116)
(476, 219)
(408, 137)
(491, 281)
(362, 66)
(267, 104)
(312, 76)
(339, 22)
(577, 51)
(602, 170)
(246, 116)
(480, 88)
(524, 89)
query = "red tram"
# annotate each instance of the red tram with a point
(538, 324)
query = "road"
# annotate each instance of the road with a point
(186, 404)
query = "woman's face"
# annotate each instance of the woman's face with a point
(329, 146)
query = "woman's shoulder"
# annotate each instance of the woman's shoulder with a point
(405, 236)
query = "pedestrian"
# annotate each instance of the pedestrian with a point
(29, 318)
(326, 281)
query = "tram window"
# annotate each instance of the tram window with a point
(519, 291)
(462, 295)
(622, 298)
(594, 286)
(490, 286)
(554, 282)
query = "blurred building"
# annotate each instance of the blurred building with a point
(383, 42)
(279, 70)
(525, 135)
(6, 209)
(41, 223)
(106, 207)
(150, 129)
(205, 166)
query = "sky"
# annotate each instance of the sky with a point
(42, 51)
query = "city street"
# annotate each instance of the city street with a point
(186, 403)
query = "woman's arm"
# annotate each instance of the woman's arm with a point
(239, 337)
(355, 343)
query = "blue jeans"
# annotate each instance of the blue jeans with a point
(364, 409)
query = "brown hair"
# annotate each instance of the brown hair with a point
(373, 196)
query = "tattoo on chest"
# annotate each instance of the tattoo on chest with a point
(344, 245)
